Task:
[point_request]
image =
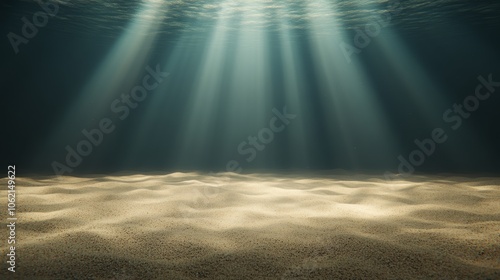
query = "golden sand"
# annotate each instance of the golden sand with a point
(259, 226)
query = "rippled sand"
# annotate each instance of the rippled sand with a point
(261, 226)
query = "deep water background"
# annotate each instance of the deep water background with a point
(452, 41)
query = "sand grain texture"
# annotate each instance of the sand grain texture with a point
(260, 226)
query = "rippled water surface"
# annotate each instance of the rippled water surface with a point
(109, 18)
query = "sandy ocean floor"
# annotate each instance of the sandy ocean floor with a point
(261, 226)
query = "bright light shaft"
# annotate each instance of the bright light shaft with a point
(206, 94)
(295, 91)
(348, 88)
(116, 74)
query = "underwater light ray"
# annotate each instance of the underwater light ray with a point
(295, 90)
(121, 68)
(348, 92)
(202, 104)
(250, 84)
(427, 95)
(163, 101)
